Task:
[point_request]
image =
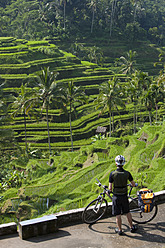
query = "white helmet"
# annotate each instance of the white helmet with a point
(120, 160)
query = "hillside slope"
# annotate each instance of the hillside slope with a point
(70, 181)
(21, 59)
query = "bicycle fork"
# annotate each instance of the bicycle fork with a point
(98, 204)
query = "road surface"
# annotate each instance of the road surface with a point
(99, 235)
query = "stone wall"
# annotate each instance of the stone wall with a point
(51, 223)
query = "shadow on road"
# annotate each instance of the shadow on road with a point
(9, 236)
(59, 234)
(145, 233)
(149, 232)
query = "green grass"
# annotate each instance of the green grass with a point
(71, 186)
(71, 179)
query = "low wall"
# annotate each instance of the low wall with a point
(75, 215)
(37, 227)
(51, 223)
(160, 197)
(9, 228)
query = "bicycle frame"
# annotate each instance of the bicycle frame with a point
(99, 208)
(96, 210)
(105, 190)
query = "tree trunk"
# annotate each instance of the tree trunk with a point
(93, 17)
(64, 13)
(110, 125)
(25, 132)
(134, 16)
(113, 129)
(48, 129)
(156, 112)
(70, 121)
(150, 117)
(134, 118)
(112, 15)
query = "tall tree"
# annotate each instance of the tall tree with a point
(127, 63)
(6, 135)
(23, 104)
(114, 4)
(95, 55)
(48, 90)
(138, 82)
(158, 94)
(64, 2)
(109, 98)
(149, 102)
(137, 7)
(93, 5)
(72, 95)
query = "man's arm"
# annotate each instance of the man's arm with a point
(131, 180)
(110, 187)
(133, 183)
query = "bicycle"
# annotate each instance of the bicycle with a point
(97, 208)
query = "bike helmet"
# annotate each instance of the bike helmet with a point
(120, 160)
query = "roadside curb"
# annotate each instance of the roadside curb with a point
(66, 218)
(75, 215)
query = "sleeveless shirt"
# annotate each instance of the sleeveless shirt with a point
(120, 178)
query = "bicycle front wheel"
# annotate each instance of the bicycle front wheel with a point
(94, 211)
(138, 216)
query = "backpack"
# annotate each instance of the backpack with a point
(146, 200)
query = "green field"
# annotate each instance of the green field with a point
(33, 186)
(70, 181)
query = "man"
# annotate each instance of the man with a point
(120, 205)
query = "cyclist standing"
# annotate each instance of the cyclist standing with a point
(118, 180)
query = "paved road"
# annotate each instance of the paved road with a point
(99, 235)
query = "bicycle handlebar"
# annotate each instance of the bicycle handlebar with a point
(130, 185)
(106, 187)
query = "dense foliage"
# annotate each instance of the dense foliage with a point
(126, 19)
(47, 110)
(69, 180)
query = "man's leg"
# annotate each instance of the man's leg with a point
(129, 218)
(119, 222)
(132, 227)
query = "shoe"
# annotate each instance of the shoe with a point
(119, 232)
(134, 229)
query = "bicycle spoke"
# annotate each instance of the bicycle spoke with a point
(94, 211)
(140, 217)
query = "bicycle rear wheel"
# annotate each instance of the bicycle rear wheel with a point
(140, 217)
(94, 211)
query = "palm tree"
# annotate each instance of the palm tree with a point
(158, 95)
(110, 98)
(64, 3)
(154, 92)
(161, 78)
(114, 4)
(48, 89)
(71, 95)
(93, 7)
(127, 63)
(23, 104)
(149, 103)
(137, 84)
(137, 4)
(95, 55)
(6, 135)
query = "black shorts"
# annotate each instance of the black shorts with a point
(120, 204)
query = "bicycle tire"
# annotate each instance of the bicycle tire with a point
(140, 217)
(94, 211)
